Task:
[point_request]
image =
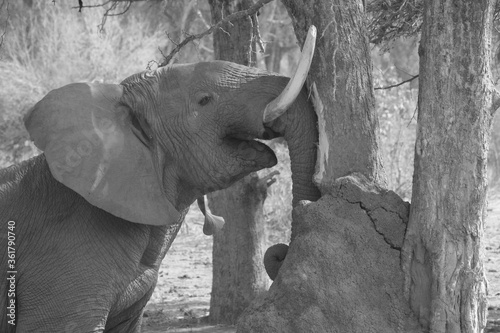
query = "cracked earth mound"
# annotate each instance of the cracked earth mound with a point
(352, 236)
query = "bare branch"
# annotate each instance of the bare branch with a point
(105, 3)
(129, 4)
(91, 6)
(105, 16)
(397, 84)
(109, 10)
(256, 32)
(233, 17)
(171, 40)
(202, 18)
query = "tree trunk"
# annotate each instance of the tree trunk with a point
(442, 254)
(342, 74)
(238, 271)
(233, 42)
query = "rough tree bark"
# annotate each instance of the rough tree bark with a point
(442, 254)
(342, 74)
(233, 42)
(238, 272)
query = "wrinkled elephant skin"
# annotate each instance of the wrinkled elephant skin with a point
(273, 259)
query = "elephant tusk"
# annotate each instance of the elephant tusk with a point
(213, 223)
(280, 104)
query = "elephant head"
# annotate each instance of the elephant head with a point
(146, 148)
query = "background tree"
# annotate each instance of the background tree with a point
(238, 273)
(342, 74)
(442, 258)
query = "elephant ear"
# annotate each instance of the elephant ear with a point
(90, 146)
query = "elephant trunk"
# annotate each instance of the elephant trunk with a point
(273, 259)
(291, 115)
(299, 128)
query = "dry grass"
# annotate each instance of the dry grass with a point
(50, 46)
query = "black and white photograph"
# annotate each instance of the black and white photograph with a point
(249, 166)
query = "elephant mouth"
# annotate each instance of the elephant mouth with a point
(253, 154)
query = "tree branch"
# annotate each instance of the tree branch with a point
(256, 32)
(129, 4)
(233, 17)
(81, 5)
(102, 4)
(397, 84)
(109, 10)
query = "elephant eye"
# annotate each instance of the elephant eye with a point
(205, 100)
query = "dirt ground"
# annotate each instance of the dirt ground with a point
(181, 300)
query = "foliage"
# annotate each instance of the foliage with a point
(390, 20)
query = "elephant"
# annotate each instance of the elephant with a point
(273, 259)
(92, 217)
